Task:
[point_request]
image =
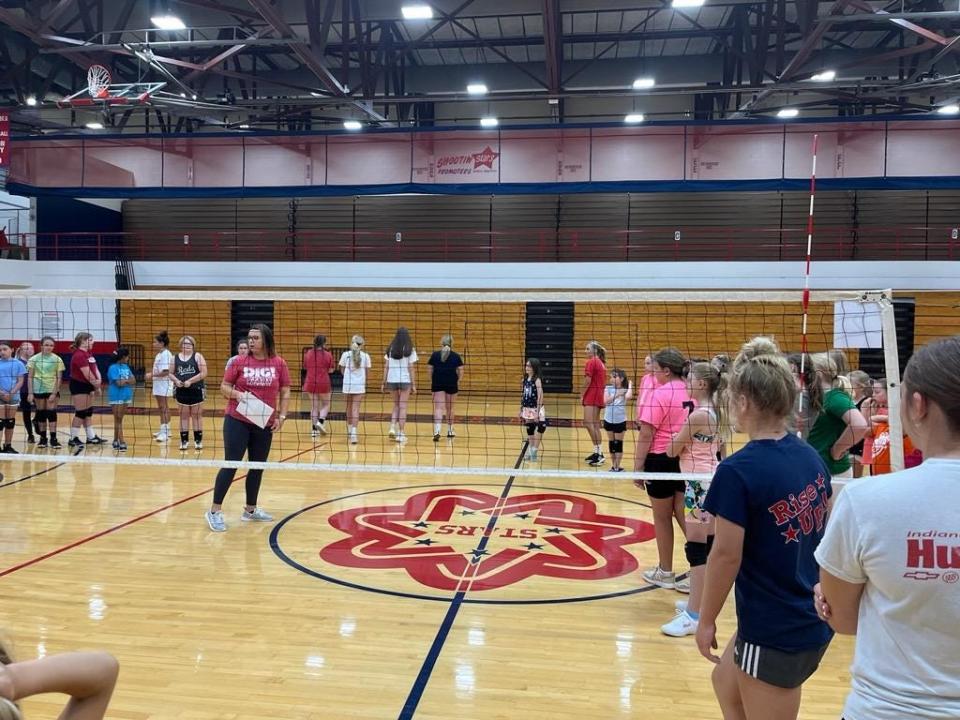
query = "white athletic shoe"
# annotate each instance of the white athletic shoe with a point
(682, 585)
(258, 515)
(392, 432)
(681, 626)
(353, 437)
(215, 520)
(401, 438)
(322, 427)
(660, 578)
(161, 437)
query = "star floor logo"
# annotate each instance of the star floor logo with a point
(466, 538)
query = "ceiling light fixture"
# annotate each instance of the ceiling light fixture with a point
(949, 109)
(94, 126)
(680, 4)
(788, 113)
(31, 101)
(476, 89)
(489, 122)
(352, 125)
(644, 83)
(825, 76)
(634, 118)
(417, 12)
(168, 22)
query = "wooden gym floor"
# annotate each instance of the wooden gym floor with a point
(372, 596)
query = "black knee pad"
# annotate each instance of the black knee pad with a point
(696, 553)
(88, 413)
(619, 444)
(10, 423)
(531, 429)
(50, 416)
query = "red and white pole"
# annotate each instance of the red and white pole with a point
(806, 277)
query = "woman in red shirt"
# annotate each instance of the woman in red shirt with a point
(84, 382)
(318, 363)
(594, 380)
(263, 375)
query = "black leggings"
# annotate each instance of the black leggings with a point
(25, 408)
(238, 438)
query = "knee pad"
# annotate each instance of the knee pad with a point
(51, 416)
(531, 429)
(10, 423)
(79, 414)
(619, 444)
(88, 413)
(709, 543)
(696, 553)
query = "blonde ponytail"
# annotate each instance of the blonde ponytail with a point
(446, 345)
(356, 345)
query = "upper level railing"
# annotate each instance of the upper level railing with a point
(526, 245)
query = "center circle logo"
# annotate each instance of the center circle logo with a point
(535, 545)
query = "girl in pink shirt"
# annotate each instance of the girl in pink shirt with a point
(698, 444)
(661, 416)
(648, 383)
(594, 380)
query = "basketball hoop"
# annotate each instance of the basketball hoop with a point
(98, 81)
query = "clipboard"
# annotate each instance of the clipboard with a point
(255, 410)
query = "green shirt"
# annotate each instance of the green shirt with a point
(45, 369)
(829, 426)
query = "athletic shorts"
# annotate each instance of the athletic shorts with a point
(79, 387)
(41, 396)
(615, 427)
(663, 463)
(540, 427)
(162, 388)
(448, 389)
(397, 386)
(693, 497)
(317, 388)
(193, 395)
(776, 667)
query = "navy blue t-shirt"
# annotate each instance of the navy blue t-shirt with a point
(777, 491)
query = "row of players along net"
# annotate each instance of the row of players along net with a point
(462, 396)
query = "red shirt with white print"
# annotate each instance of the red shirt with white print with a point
(261, 378)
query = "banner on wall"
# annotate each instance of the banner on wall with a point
(4, 138)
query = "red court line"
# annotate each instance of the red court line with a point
(108, 531)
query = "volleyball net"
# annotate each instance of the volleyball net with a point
(494, 334)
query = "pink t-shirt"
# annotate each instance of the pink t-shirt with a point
(262, 378)
(700, 455)
(665, 411)
(648, 383)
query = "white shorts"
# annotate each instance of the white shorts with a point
(162, 388)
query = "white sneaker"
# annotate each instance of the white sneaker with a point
(681, 626)
(392, 432)
(215, 520)
(682, 585)
(353, 437)
(451, 433)
(660, 578)
(258, 515)
(161, 437)
(401, 438)
(322, 427)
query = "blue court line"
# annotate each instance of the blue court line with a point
(14, 482)
(423, 677)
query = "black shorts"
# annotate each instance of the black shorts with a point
(193, 395)
(79, 387)
(448, 389)
(539, 427)
(776, 667)
(615, 427)
(41, 396)
(663, 463)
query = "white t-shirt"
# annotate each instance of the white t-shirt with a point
(354, 378)
(163, 386)
(398, 371)
(899, 535)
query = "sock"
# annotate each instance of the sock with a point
(53, 435)
(91, 434)
(596, 449)
(198, 436)
(184, 434)
(693, 615)
(436, 428)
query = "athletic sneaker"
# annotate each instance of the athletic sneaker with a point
(392, 432)
(619, 469)
(215, 520)
(680, 605)
(451, 433)
(95, 440)
(116, 445)
(353, 437)
(8, 450)
(591, 457)
(313, 432)
(198, 445)
(258, 515)
(598, 460)
(401, 438)
(436, 437)
(161, 437)
(42, 444)
(9, 710)
(184, 445)
(322, 427)
(31, 440)
(122, 447)
(75, 442)
(682, 585)
(532, 454)
(660, 578)
(54, 443)
(681, 625)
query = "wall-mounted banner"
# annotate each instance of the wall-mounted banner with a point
(4, 138)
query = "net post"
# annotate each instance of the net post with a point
(891, 362)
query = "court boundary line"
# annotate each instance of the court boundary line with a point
(36, 474)
(440, 639)
(108, 531)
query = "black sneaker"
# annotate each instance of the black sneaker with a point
(54, 443)
(8, 450)
(42, 445)
(597, 460)
(436, 437)
(95, 440)
(75, 442)
(589, 459)
(31, 440)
